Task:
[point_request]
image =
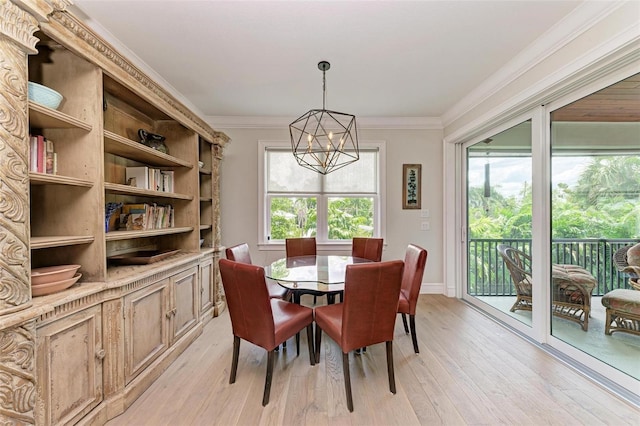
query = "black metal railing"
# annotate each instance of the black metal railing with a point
(488, 275)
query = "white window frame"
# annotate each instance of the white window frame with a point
(323, 243)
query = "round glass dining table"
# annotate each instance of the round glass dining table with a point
(317, 275)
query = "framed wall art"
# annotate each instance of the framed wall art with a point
(411, 186)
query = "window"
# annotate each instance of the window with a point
(297, 202)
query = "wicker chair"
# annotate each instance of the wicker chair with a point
(623, 305)
(621, 263)
(571, 285)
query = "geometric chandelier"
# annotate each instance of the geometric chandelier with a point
(324, 140)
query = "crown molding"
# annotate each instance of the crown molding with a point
(564, 31)
(272, 122)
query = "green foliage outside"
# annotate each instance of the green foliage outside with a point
(297, 217)
(605, 203)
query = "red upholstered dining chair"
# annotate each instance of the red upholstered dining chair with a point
(258, 318)
(240, 253)
(415, 260)
(367, 248)
(366, 317)
(300, 246)
(305, 246)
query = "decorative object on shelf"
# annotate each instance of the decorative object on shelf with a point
(111, 216)
(141, 257)
(153, 140)
(53, 287)
(44, 96)
(411, 186)
(50, 274)
(323, 140)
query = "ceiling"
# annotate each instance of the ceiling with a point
(248, 59)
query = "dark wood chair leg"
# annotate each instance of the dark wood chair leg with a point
(298, 343)
(414, 337)
(404, 322)
(318, 341)
(312, 354)
(392, 377)
(347, 380)
(234, 360)
(267, 381)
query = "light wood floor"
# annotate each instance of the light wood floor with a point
(470, 370)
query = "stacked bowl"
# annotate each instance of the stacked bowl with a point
(52, 279)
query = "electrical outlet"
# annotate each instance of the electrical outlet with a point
(424, 213)
(424, 226)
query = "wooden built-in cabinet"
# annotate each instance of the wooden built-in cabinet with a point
(86, 353)
(69, 366)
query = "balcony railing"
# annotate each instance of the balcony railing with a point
(488, 275)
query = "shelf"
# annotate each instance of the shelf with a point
(45, 179)
(205, 199)
(67, 240)
(127, 235)
(46, 118)
(116, 188)
(123, 147)
(205, 227)
(205, 171)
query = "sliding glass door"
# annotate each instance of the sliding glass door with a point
(548, 204)
(499, 211)
(595, 213)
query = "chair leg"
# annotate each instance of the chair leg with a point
(267, 381)
(298, 343)
(414, 337)
(234, 361)
(392, 377)
(404, 322)
(347, 380)
(312, 354)
(318, 341)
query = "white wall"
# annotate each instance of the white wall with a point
(239, 193)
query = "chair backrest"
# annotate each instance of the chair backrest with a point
(370, 305)
(367, 248)
(239, 253)
(300, 246)
(519, 265)
(248, 302)
(415, 260)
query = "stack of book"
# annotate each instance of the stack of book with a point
(142, 217)
(42, 156)
(149, 178)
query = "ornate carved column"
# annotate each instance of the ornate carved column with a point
(219, 299)
(17, 342)
(16, 41)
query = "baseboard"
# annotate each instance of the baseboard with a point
(433, 288)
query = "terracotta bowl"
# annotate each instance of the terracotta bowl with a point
(53, 287)
(52, 274)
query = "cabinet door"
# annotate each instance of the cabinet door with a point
(206, 287)
(146, 337)
(186, 301)
(69, 367)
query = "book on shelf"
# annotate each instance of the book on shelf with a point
(145, 177)
(50, 157)
(135, 216)
(42, 155)
(137, 176)
(142, 217)
(33, 153)
(167, 180)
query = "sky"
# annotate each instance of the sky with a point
(510, 173)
